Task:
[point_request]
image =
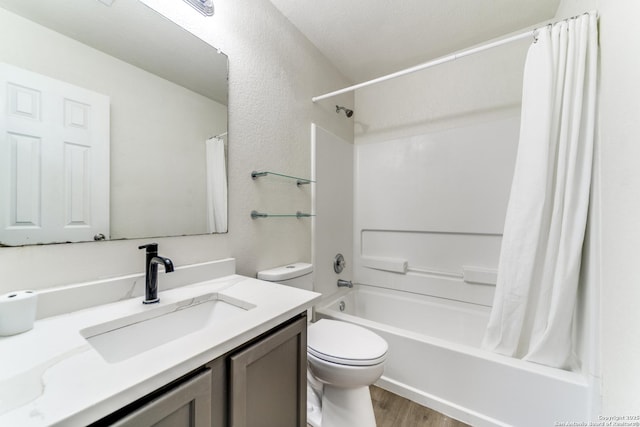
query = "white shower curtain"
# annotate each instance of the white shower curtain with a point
(216, 185)
(546, 217)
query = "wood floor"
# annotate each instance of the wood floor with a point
(392, 410)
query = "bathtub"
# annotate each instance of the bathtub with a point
(435, 359)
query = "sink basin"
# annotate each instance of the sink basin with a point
(120, 339)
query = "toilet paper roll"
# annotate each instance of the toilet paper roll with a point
(17, 312)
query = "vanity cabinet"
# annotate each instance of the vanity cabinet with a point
(268, 381)
(186, 405)
(264, 382)
(260, 383)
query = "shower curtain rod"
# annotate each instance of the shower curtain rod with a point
(425, 65)
(438, 61)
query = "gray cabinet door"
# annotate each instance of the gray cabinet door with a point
(188, 405)
(268, 380)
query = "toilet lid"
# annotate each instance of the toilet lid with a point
(345, 343)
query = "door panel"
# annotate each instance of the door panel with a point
(54, 160)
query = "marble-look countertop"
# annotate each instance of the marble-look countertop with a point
(51, 375)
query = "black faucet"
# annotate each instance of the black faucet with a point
(151, 276)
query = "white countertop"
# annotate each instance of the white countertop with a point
(51, 375)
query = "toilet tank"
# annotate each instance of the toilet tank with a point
(298, 275)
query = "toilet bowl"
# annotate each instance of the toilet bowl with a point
(343, 361)
(346, 359)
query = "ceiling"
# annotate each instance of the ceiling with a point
(365, 39)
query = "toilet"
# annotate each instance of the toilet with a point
(343, 361)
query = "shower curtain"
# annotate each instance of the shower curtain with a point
(216, 185)
(546, 217)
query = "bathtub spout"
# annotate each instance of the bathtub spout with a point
(345, 283)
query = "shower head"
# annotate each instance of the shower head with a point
(348, 112)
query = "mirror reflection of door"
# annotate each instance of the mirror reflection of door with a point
(54, 146)
(168, 96)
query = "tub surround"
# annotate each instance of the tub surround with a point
(52, 375)
(449, 226)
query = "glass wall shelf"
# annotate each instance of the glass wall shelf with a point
(256, 214)
(299, 181)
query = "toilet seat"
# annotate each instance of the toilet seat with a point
(345, 343)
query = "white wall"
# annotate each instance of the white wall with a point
(474, 89)
(274, 72)
(620, 151)
(333, 204)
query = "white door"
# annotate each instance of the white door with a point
(54, 160)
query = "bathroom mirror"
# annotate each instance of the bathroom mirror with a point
(114, 124)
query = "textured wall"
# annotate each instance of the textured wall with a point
(274, 72)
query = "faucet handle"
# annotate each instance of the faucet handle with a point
(150, 247)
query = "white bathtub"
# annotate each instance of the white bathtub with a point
(434, 359)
